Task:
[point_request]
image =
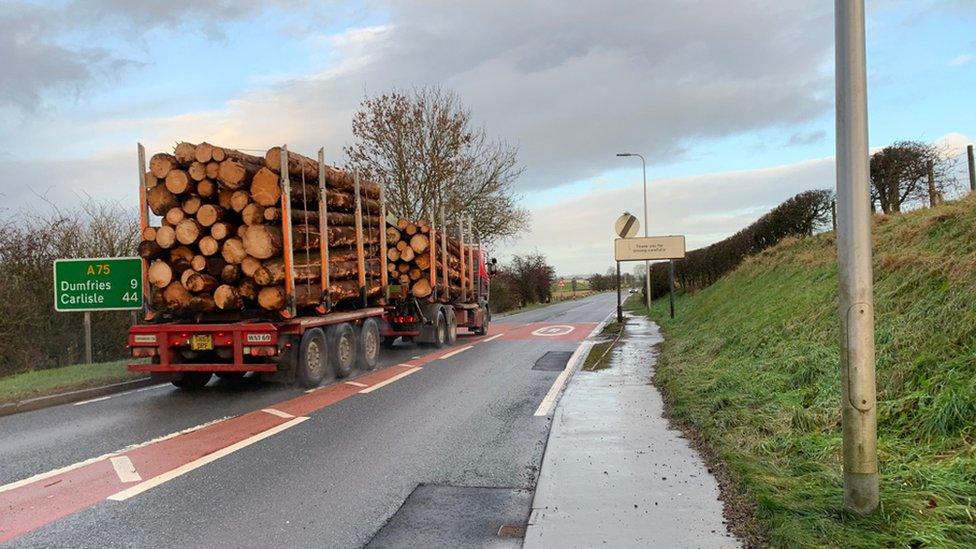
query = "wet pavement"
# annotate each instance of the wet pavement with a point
(614, 473)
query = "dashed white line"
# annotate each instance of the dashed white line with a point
(372, 388)
(89, 401)
(125, 469)
(278, 413)
(456, 352)
(492, 338)
(356, 384)
(183, 469)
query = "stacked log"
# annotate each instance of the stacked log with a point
(415, 261)
(220, 240)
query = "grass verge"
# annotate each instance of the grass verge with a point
(750, 364)
(57, 380)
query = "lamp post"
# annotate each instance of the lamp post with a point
(858, 395)
(647, 264)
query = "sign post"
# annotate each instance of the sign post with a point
(626, 226)
(97, 284)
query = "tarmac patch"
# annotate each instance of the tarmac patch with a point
(553, 361)
(455, 516)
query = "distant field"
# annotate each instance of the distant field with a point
(752, 364)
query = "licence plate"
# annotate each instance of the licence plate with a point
(201, 342)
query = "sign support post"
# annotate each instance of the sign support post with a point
(620, 309)
(857, 367)
(88, 343)
(671, 283)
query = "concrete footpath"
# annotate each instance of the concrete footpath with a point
(614, 474)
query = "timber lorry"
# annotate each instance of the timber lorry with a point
(309, 345)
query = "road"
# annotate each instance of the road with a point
(277, 465)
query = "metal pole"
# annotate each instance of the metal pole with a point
(88, 343)
(671, 283)
(620, 309)
(647, 264)
(858, 396)
(972, 168)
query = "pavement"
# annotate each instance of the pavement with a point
(614, 473)
(446, 441)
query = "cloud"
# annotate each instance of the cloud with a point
(569, 84)
(704, 208)
(806, 138)
(35, 64)
(44, 57)
(961, 60)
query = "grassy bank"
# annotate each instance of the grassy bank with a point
(56, 380)
(751, 364)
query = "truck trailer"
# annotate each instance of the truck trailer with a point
(324, 327)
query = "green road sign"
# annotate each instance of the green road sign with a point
(98, 284)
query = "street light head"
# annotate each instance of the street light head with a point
(625, 154)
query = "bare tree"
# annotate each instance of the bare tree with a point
(32, 334)
(899, 174)
(424, 147)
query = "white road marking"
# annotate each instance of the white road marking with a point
(125, 469)
(356, 384)
(183, 469)
(457, 351)
(552, 331)
(89, 401)
(549, 402)
(492, 338)
(278, 413)
(372, 388)
(80, 464)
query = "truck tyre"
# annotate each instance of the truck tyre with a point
(313, 365)
(440, 330)
(451, 325)
(342, 348)
(485, 320)
(192, 380)
(369, 344)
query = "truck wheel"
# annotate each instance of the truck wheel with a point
(485, 320)
(342, 347)
(451, 326)
(369, 344)
(192, 380)
(312, 364)
(440, 330)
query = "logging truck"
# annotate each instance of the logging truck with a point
(287, 267)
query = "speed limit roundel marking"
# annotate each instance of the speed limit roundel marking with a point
(626, 225)
(553, 331)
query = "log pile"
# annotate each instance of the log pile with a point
(219, 243)
(415, 261)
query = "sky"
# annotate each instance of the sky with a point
(731, 103)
